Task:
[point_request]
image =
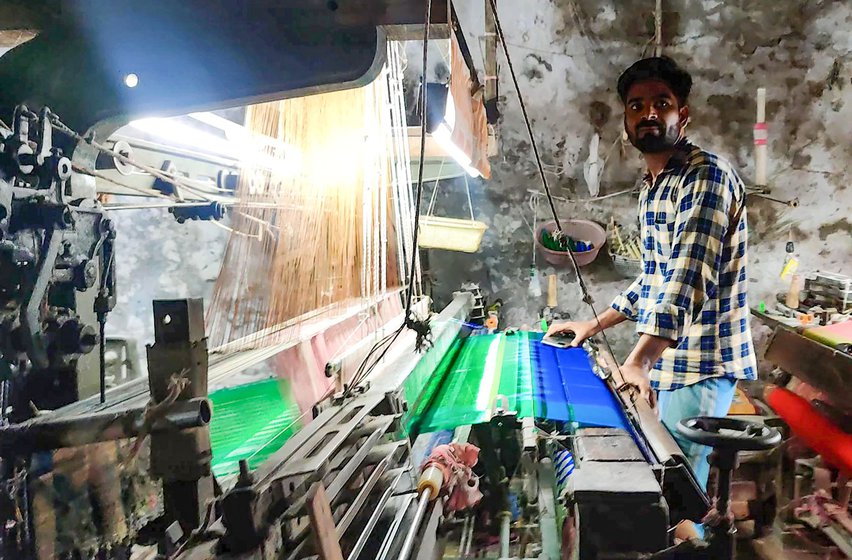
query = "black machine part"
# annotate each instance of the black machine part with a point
(727, 436)
(729, 433)
(53, 240)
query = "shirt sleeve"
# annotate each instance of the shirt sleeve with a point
(625, 302)
(692, 271)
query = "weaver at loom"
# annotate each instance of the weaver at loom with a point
(316, 405)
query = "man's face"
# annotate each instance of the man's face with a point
(652, 118)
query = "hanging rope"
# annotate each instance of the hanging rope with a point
(419, 326)
(526, 117)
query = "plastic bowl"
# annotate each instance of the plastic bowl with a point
(580, 230)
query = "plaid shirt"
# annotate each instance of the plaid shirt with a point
(693, 287)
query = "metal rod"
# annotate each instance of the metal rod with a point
(631, 190)
(121, 206)
(505, 533)
(361, 499)
(469, 541)
(4, 399)
(792, 203)
(394, 528)
(230, 163)
(464, 535)
(346, 473)
(374, 518)
(408, 545)
(222, 201)
(102, 357)
(44, 433)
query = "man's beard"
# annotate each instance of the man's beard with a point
(650, 143)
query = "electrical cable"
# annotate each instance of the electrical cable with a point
(419, 191)
(363, 369)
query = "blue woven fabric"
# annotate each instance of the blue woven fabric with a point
(569, 390)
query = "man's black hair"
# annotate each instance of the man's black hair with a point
(660, 68)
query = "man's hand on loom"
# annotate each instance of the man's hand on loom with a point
(636, 376)
(581, 329)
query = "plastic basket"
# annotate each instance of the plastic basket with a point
(451, 234)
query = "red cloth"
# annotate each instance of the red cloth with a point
(460, 484)
(813, 428)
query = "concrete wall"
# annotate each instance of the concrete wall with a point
(568, 55)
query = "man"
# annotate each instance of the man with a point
(690, 302)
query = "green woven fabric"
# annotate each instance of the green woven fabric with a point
(251, 422)
(525, 394)
(425, 383)
(464, 387)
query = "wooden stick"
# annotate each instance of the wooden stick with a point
(618, 237)
(760, 139)
(322, 523)
(552, 288)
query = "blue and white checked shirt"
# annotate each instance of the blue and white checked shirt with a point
(693, 287)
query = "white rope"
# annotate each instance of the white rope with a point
(469, 203)
(435, 190)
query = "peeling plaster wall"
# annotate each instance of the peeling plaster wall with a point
(568, 55)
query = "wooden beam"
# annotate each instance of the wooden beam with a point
(401, 19)
(11, 38)
(322, 523)
(19, 15)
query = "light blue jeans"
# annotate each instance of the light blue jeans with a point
(711, 397)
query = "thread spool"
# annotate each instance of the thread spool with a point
(432, 477)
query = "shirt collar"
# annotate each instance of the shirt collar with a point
(678, 159)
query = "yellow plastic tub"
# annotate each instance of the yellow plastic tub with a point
(451, 234)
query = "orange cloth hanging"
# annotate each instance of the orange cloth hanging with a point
(470, 130)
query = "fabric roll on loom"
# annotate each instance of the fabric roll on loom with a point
(536, 380)
(474, 376)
